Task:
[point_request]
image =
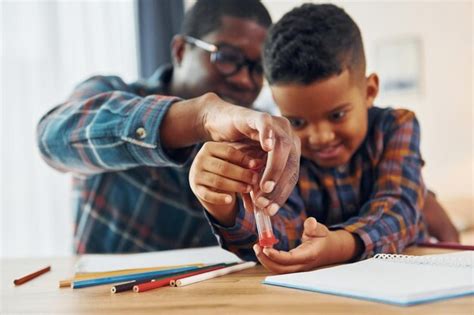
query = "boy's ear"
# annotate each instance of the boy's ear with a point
(372, 89)
(178, 45)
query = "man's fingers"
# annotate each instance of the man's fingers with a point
(276, 164)
(283, 190)
(263, 124)
(283, 161)
(248, 203)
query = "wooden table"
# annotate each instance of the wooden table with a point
(240, 293)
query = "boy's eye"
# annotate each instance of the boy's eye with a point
(297, 123)
(337, 116)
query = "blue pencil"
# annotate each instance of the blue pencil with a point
(136, 276)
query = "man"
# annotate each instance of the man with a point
(129, 146)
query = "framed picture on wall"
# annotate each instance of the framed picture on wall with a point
(399, 64)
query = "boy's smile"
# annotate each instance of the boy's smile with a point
(329, 116)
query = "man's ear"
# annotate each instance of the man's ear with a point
(372, 89)
(178, 45)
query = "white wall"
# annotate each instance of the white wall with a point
(445, 104)
(47, 48)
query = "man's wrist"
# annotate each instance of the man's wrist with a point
(204, 104)
(209, 104)
(183, 124)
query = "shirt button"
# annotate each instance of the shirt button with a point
(140, 133)
(342, 168)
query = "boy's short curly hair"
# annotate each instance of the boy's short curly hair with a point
(205, 16)
(312, 42)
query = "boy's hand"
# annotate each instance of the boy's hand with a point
(438, 221)
(219, 171)
(319, 247)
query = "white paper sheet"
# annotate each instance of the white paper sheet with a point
(403, 281)
(111, 262)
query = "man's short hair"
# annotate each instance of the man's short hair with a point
(312, 42)
(205, 16)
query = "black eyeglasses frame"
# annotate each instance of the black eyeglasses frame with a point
(213, 49)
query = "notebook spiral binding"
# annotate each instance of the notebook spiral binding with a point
(427, 260)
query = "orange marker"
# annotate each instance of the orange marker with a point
(31, 276)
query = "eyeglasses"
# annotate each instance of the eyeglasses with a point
(228, 59)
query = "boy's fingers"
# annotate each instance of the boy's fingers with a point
(214, 182)
(213, 197)
(299, 255)
(228, 152)
(314, 229)
(273, 266)
(229, 170)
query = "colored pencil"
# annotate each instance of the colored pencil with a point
(30, 276)
(158, 283)
(96, 275)
(136, 276)
(151, 285)
(214, 274)
(102, 274)
(446, 245)
(173, 281)
(129, 285)
(65, 283)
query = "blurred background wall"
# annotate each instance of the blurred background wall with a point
(47, 47)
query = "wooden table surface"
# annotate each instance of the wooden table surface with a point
(239, 293)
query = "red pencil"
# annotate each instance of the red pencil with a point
(447, 245)
(163, 282)
(31, 276)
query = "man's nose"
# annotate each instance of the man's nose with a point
(321, 134)
(243, 78)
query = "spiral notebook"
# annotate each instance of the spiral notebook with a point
(393, 279)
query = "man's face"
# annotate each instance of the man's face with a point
(329, 116)
(200, 75)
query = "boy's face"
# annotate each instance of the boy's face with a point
(329, 116)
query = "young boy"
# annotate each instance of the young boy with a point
(360, 190)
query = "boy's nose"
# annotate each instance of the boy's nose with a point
(321, 135)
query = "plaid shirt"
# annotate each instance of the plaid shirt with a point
(378, 195)
(130, 195)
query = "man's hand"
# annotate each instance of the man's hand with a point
(319, 247)
(225, 122)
